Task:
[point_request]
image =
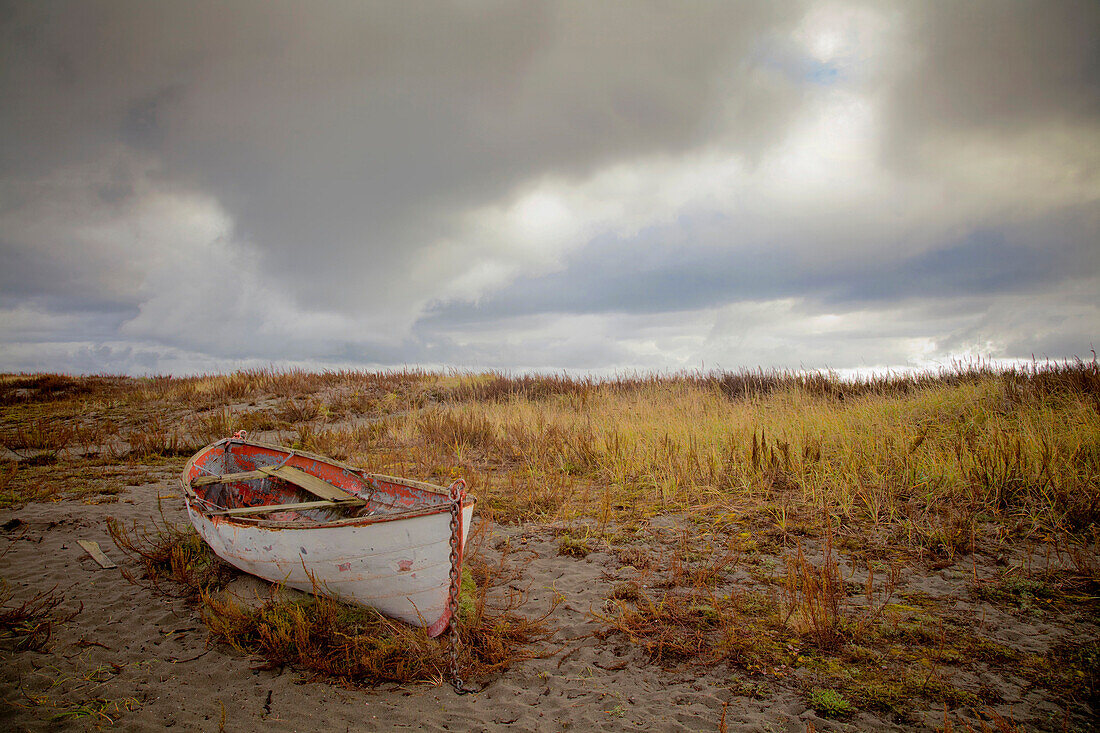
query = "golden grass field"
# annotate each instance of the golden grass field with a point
(870, 549)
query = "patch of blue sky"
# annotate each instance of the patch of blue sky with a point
(800, 67)
(821, 72)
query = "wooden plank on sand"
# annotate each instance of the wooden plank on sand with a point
(92, 548)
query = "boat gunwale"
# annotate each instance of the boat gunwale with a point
(195, 502)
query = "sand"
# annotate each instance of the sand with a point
(147, 660)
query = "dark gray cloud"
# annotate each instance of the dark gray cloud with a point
(993, 69)
(341, 137)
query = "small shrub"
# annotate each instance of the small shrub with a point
(635, 557)
(171, 552)
(630, 590)
(814, 596)
(299, 411)
(830, 703)
(29, 625)
(212, 425)
(573, 546)
(1020, 592)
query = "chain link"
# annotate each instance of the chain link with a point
(458, 493)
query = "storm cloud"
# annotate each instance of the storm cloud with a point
(200, 186)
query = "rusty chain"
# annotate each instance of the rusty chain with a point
(458, 493)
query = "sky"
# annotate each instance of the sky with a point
(591, 187)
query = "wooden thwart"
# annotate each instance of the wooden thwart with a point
(316, 486)
(268, 508)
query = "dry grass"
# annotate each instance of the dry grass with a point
(845, 646)
(169, 552)
(929, 455)
(328, 638)
(934, 461)
(357, 645)
(884, 658)
(30, 624)
(815, 598)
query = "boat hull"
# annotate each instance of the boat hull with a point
(397, 561)
(400, 567)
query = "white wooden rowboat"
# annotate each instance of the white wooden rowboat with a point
(315, 524)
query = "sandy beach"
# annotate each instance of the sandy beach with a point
(139, 660)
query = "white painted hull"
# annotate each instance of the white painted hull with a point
(400, 567)
(394, 555)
